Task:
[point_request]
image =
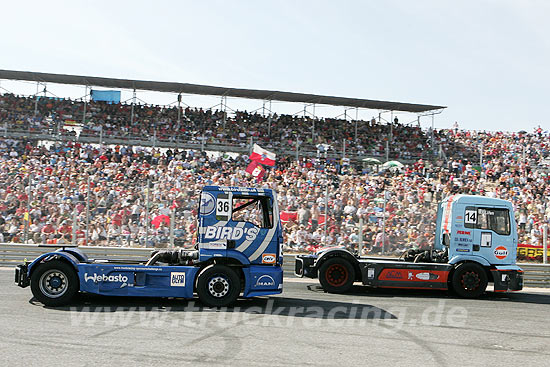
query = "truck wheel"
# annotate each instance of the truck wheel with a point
(218, 286)
(54, 283)
(469, 280)
(336, 275)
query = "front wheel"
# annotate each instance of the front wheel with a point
(218, 286)
(54, 283)
(336, 275)
(469, 280)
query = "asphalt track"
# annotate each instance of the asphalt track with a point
(303, 326)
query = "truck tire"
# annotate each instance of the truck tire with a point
(469, 280)
(218, 286)
(54, 283)
(336, 275)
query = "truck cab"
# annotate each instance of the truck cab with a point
(238, 253)
(478, 229)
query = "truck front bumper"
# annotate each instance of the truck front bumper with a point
(507, 279)
(305, 266)
(21, 275)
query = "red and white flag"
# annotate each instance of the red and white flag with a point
(262, 156)
(256, 170)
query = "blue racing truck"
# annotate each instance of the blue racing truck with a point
(475, 244)
(238, 252)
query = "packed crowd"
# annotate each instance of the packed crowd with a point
(197, 126)
(101, 193)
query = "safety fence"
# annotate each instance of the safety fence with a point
(536, 275)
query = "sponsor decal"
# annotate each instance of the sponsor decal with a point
(208, 203)
(459, 217)
(464, 232)
(427, 276)
(462, 250)
(394, 274)
(133, 268)
(214, 246)
(119, 278)
(236, 188)
(265, 281)
(268, 258)
(177, 279)
(501, 252)
(412, 275)
(531, 251)
(231, 233)
(370, 273)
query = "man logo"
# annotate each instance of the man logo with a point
(265, 281)
(208, 203)
(177, 279)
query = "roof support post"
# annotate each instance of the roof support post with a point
(179, 110)
(85, 104)
(223, 108)
(433, 116)
(356, 119)
(133, 103)
(391, 127)
(36, 99)
(313, 126)
(269, 121)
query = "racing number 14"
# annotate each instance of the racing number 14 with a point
(470, 217)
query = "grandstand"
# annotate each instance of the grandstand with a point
(75, 189)
(215, 130)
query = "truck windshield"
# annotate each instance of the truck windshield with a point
(494, 219)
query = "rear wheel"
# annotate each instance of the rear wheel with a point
(54, 283)
(336, 275)
(469, 280)
(218, 286)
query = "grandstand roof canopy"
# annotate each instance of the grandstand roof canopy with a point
(173, 87)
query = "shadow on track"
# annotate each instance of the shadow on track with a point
(276, 306)
(364, 291)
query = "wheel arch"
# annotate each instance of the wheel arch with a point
(486, 268)
(232, 262)
(343, 254)
(61, 256)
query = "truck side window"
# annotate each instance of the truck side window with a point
(495, 219)
(253, 209)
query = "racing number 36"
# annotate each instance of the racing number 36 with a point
(223, 206)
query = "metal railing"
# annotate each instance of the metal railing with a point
(536, 275)
(242, 146)
(13, 254)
